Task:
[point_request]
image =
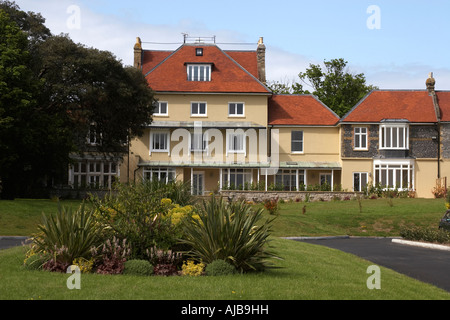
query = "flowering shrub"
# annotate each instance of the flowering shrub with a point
(84, 264)
(190, 268)
(438, 192)
(271, 205)
(112, 256)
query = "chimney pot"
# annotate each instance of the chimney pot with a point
(430, 83)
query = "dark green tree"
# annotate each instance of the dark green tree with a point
(53, 94)
(23, 128)
(333, 84)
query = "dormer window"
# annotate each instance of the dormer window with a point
(199, 72)
(199, 52)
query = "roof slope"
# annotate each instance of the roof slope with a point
(300, 110)
(444, 104)
(411, 105)
(228, 76)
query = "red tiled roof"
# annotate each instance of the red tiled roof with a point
(414, 106)
(247, 59)
(444, 104)
(300, 110)
(151, 59)
(227, 75)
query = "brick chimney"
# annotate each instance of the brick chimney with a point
(261, 60)
(138, 53)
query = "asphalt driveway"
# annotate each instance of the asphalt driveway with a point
(8, 242)
(424, 264)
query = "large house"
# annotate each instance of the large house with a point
(217, 126)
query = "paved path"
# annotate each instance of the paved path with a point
(427, 265)
(8, 242)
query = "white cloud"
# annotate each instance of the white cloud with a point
(118, 35)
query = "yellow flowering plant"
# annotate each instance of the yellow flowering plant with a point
(190, 268)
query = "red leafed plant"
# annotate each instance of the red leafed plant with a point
(113, 256)
(271, 205)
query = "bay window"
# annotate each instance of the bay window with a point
(394, 136)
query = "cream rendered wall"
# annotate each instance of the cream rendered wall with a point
(179, 107)
(350, 166)
(319, 144)
(425, 177)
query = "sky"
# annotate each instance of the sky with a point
(394, 43)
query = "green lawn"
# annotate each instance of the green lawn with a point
(307, 272)
(377, 218)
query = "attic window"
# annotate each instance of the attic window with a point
(199, 51)
(199, 72)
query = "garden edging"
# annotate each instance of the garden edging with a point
(422, 244)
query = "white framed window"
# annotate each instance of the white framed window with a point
(288, 180)
(360, 180)
(161, 108)
(236, 142)
(237, 178)
(198, 109)
(94, 138)
(391, 174)
(159, 174)
(199, 141)
(236, 109)
(325, 179)
(360, 138)
(93, 174)
(296, 141)
(199, 72)
(159, 141)
(394, 137)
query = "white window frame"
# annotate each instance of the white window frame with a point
(149, 171)
(360, 136)
(302, 142)
(93, 137)
(198, 114)
(193, 146)
(157, 110)
(360, 174)
(94, 173)
(235, 114)
(245, 174)
(167, 142)
(397, 169)
(231, 146)
(326, 175)
(194, 72)
(393, 140)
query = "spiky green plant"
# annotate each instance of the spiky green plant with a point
(232, 232)
(76, 232)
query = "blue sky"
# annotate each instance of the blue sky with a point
(410, 40)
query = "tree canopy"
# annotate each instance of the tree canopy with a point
(53, 94)
(333, 84)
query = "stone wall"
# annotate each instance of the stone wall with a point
(258, 196)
